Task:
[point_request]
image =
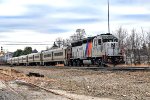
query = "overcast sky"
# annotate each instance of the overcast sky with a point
(45, 20)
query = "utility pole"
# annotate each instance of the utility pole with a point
(108, 19)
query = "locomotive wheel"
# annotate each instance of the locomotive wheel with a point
(69, 63)
(78, 63)
(65, 64)
(74, 63)
(100, 63)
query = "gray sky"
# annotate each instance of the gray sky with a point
(43, 21)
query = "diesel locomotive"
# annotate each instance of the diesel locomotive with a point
(97, 50)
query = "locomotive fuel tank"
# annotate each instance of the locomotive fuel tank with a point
(87, 62)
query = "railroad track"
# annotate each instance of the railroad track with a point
(118, 68)
(115, 68)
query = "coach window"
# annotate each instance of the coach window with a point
(30, 57)
(48, 55)
(36, 56)
(59, 54)
(99, 41)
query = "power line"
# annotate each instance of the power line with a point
(25, 41)
(26, 44)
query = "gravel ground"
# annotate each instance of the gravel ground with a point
(21, 91)
(119, 85)
(8, 95)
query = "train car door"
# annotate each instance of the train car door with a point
(33, 58)
(52, 56)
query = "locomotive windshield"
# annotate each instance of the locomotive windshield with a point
(109, 38)
(99, 41)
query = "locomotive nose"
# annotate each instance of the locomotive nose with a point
(112, 49)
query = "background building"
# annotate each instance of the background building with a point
(4, 57)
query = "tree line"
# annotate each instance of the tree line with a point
(135, 45)
(27, 50)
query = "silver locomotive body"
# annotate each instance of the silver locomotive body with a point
(96, 50)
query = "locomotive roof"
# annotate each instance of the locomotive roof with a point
(34, 53)
(104, 36)
(84, 39)
(108, 36)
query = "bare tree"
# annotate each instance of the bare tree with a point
(66, 42)
(73, 37)
(121, 34)
(59, 41)
(148, 47)
(133, 46)
(127, 48)
(47, 47)
(80, 34)
(122, 40)
(130, 45)
(137, 46)
(138, 43)
(63, 42)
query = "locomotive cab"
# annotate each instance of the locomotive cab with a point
(111, 49)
